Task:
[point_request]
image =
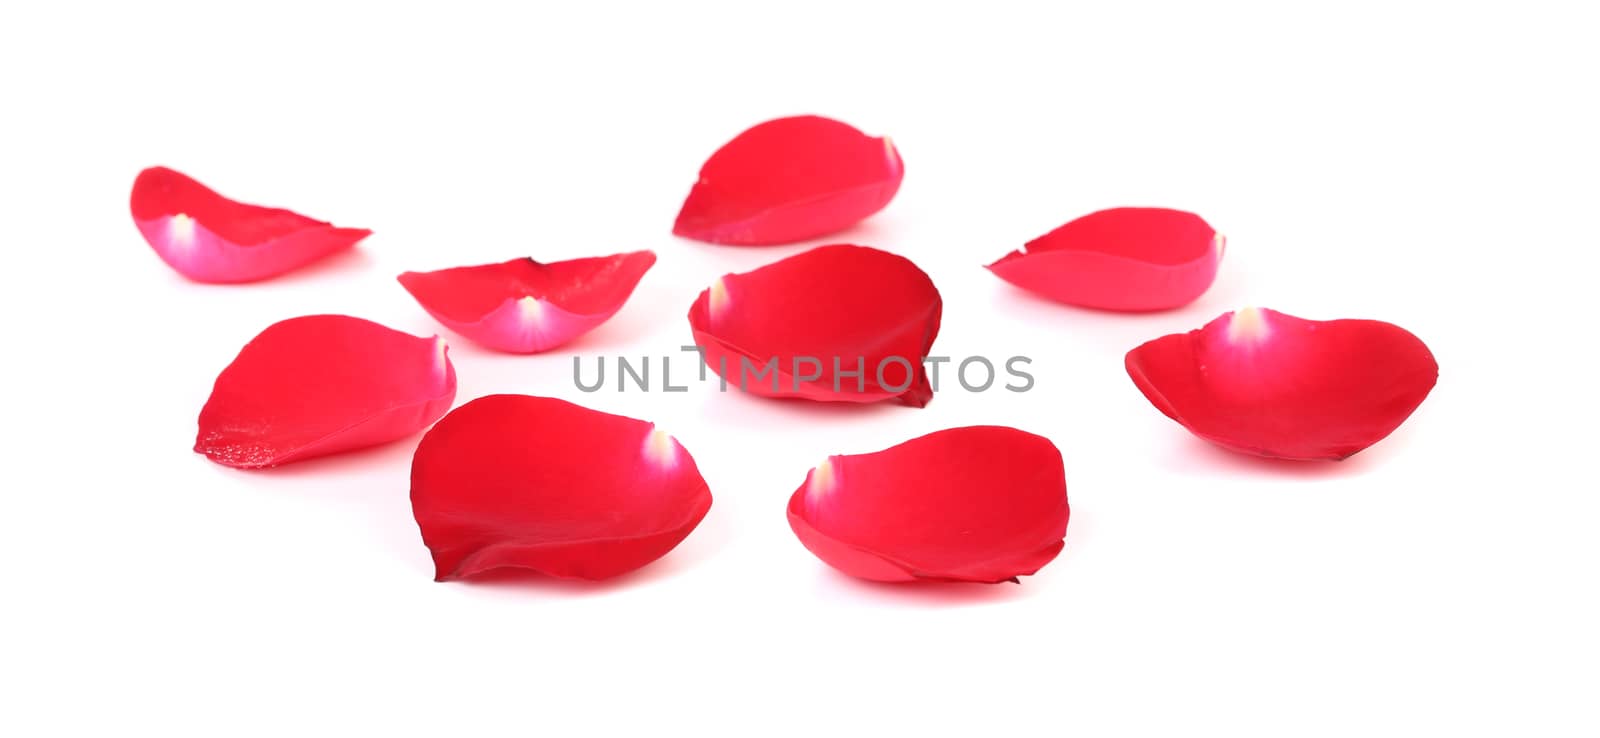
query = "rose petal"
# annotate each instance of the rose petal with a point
(975, 504)
(1130, 259)
(788, 180)
(821, 315)
(209, 238)
(542, 484)
(1261, 382)
(522, 306)
(322, 384)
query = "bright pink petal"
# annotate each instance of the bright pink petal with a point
(1130, 259)
(1265, 383)
(788, 180)
(975, 504)
(542, 484)
(323, 384)
(522, 306)
(209, 238)
(818, 317)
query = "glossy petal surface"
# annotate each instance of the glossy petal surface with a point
(543, 484)
(209, 238)
(1261, 382)
(322, 384)
(974, 504)
(523, 306)
(1129, 259)
(789, 180)
(801, 326)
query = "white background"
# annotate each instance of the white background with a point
(1433, 166)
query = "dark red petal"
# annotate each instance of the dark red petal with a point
(843, 307)
(788, 180)
(209, 238)
(1262, 382)
(322, 384)
(523, 306)
(975, 504)
(542, 484)
(1120, 259)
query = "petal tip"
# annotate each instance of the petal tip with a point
(820, 481)
(661, 449)
(1248, 325)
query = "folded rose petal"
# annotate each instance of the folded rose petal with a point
(788, 180)
(522, 306)
(1265, 383)
(836, 323)
(975, 504)
(322, 384)
(209, 238)
(1131, 259)
(541, 484)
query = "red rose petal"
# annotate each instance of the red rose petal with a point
(322, 384)
(843, 307)
(209, 238)
(542, 484)
(1130, 259)
(1265, 383)
(975, 504)
(522, 306)
(788, 180)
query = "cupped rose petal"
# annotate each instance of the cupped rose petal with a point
(542, 484)
(322, 384)
(788, 180)
(523, 306)
(1261, 382)
(209, 238)
(837, 323)
(974, 504)
(1129, 259)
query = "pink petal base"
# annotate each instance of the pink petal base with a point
(526, 325)
(522, 306)
(197, 253)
